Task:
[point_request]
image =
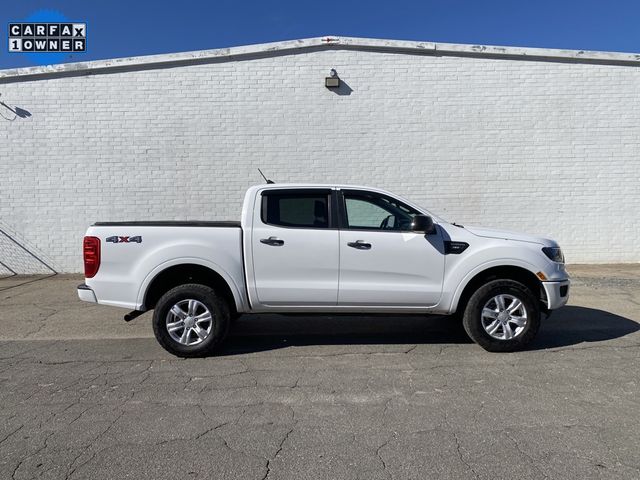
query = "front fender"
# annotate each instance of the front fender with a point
(499, 262)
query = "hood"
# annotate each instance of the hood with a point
(507, 235)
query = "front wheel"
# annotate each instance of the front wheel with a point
(502, 316)
(190, 320)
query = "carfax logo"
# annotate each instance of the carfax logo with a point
(47, 37)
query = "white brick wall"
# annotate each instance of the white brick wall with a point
(537, 146)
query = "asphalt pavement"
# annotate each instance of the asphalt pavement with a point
(85, 395)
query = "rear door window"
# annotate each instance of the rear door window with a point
(291, 209)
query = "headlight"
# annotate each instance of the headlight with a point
(554, 254)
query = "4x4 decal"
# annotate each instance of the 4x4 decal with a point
(118, 239)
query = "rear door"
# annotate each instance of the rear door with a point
(295, 248)
(382, 262)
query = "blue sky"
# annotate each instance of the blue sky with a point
(119, 28)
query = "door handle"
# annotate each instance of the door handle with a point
(273, 241)
(360, 245)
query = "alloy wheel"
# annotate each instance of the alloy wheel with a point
(504, 317)
(189, 322)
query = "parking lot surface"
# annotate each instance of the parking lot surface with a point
(86, 395)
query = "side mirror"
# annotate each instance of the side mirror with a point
(423, 223)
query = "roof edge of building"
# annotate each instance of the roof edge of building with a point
(293, 46)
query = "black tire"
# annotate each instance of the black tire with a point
(472, 319)
(215, 304)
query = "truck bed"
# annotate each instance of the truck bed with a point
(127, 267)
(171, 223)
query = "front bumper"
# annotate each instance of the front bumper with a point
(86, 294)
(557, 293)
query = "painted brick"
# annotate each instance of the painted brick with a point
(544, 147)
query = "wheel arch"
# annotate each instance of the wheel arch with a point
(506, 272)
(175, 274)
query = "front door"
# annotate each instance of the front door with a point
(295, 250)
(382, 262)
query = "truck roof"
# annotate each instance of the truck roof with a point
(314, 185)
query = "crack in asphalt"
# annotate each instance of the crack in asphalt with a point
(524, 453)
(458, 445)
(411, 349)
(42, 320)
(11, 434)
(275, 456)
(71, 469)
(384, 464)
(460, 456)
(24, 459)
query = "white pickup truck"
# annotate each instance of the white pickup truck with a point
(323, 248)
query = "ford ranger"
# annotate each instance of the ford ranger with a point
(322, 249)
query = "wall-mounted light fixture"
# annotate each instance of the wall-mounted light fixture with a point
(332, 81)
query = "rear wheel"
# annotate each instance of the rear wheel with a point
(502, 316)
(190, 320)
